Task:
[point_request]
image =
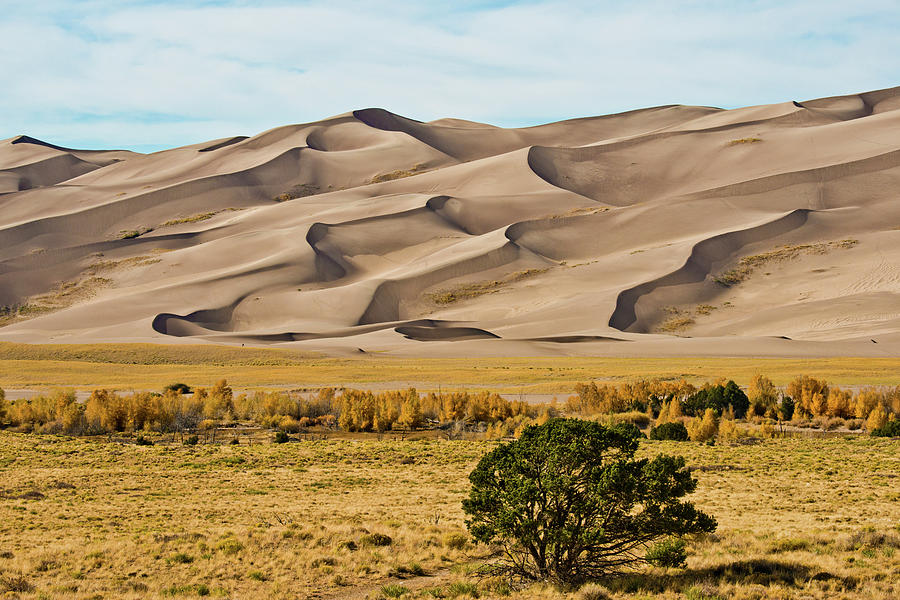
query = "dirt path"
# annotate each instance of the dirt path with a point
(371, 590)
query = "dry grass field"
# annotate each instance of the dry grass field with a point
(106, 518)
(144, 366)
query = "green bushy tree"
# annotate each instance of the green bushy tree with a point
(670, 431)
(568, 502)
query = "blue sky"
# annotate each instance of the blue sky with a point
(147, 75)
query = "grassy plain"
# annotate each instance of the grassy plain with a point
(148, 366)
(94, 518)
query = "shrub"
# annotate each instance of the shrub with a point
(281, 437)
(230, 546)
(178, 388)
(636, 418)
(15, 583)
(289, 424)
(877, 419)
(668, 553)
(705, 429)
(142, 441)
(182, 558)
(376, 539)
(569, 502)
(191, 440)
(462, 588)
(593, 591)
(889, 429)
(393, 590)
(718, 398)
(456, 541)
(670, 431)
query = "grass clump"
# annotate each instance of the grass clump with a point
(676, 320)
(399, 174)
(393, 590)
(15, 583)
(462, 588)
(456, 541)
(230, 546)
(191, 219)
(746, 140)
(298, 191)
(130, 234)
(182, 558)
(593, 591)
(376, 539)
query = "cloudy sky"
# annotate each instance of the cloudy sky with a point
(148, 75)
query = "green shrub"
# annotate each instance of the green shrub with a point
(462, 588)
(668, 553)
(281, 437)
(890, 429)
(376, 539)
(182, 559)
(191, 440)
(393, 590)
(181, 388)
(537, 498)
(230, 546)
(670, 431)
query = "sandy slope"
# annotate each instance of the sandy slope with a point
(768, 230)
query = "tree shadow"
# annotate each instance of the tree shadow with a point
(759, 571)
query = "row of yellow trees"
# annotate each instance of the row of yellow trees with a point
(351, 410)
(805, 397)
(356, 410)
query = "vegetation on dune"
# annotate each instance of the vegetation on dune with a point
(64, 295)
(748, 264)
(130, 234)
(399, 174)
(69, 293)
(191, 219)
(568, 502)
(480, 288)
(298, 191)
(746, 140)
(676, 320)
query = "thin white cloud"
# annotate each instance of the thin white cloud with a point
(138, 73)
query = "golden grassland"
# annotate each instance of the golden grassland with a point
(96, 518)
(147, 366)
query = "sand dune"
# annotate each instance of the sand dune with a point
(766, 230)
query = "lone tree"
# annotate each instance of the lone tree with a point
(568, 502)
